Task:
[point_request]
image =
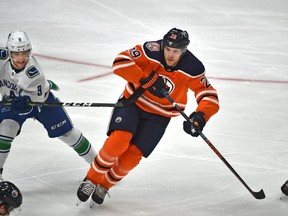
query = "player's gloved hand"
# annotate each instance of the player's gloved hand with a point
(53, 85)
(196, 123)
(20, 102)
(154, 83)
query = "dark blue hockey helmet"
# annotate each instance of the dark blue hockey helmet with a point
(176, 38)
(10, 195)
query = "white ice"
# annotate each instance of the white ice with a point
(241, 43)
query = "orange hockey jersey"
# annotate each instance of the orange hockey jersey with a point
(138, 62)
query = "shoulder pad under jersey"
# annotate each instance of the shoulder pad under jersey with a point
(3, 53)
(191, 65)
(32, 71)
(153, 50)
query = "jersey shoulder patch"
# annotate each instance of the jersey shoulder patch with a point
(152, 50)
(152, 46)
(3, 53)
(32, 72)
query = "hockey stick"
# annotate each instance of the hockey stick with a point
(137, 93)
(258, 195)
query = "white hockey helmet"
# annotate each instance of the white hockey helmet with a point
(18, 41)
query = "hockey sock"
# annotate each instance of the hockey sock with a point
(124, 164)
(84, 149)
(5, 145)
(115, 145)
(8, 131)
(80, 144)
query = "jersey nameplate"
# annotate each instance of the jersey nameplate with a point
(32, 72)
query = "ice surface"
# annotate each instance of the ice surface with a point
(243, 45)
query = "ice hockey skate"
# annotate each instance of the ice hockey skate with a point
(85, 190)
(284, 189)
(99, 194)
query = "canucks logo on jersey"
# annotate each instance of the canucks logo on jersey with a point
(3, 54)
(32, 72)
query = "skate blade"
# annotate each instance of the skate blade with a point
(92, 203)
(78, 202)
(283, 196)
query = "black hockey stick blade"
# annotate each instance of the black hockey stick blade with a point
(258, 195)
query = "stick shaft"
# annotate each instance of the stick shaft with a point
(257, 195)
(137, 93)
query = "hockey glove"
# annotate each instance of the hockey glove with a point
(196, 123)
(154, 84)
(53, 85)
(20, 102)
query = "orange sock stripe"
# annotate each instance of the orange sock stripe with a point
(103, 163)
(99, 160)
(101, 166)
(100, 170)
(103, 155)
(117, 176)
(109, 182)
(120, 170)
(116, 173)
(125, 163)
(113, 177)
(94, 174)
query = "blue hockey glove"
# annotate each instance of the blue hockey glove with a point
(154, 83)
(196, 123)
(20, 102)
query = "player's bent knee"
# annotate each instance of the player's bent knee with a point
(117, 142)
(71, 137)
(9, 128)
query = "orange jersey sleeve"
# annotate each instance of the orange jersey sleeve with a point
(132, 65)
(137, 63)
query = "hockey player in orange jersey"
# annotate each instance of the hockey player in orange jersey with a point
(135, 130)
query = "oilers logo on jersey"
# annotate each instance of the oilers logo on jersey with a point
(169, 85)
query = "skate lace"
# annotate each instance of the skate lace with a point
(87, 188)
(101, 192)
